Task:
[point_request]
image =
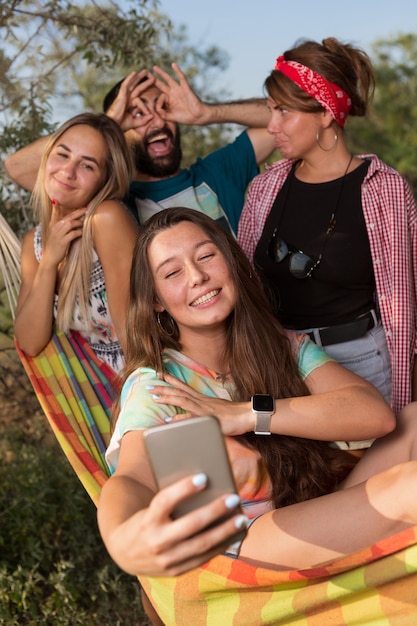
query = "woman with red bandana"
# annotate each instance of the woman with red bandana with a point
(333, 235)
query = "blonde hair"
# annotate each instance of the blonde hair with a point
(75, 275)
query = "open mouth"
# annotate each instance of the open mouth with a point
(159, 144)
(206, 298)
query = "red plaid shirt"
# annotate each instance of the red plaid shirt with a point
(391, 220)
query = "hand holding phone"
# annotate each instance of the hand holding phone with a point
(189, 447)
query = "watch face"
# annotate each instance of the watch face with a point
(263, 403)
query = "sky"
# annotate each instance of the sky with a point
(255, 32)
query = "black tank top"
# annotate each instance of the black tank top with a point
(342, 286)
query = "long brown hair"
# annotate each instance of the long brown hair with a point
(257, 348)
(348, 67)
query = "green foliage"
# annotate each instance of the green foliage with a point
(54, 569)
(390, 131)
(61, 57)
(47, 45)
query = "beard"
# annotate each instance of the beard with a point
(158, 167)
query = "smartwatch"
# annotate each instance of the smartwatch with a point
(263, 405)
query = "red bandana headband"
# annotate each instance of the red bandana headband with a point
(330, 96)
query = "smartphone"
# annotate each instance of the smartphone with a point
(188, 447)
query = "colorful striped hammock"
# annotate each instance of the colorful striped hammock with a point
(76, 392)
(375, 586)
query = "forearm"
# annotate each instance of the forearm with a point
(23, 165)
(120, 499)
(118, 301)
(334, 411)
(351, 414)
(333, 416)
(117, 287)
(34, 315)
(118, 316)
(252, 113)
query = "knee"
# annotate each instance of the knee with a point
(404, 485)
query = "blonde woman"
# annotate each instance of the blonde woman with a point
(76, 261)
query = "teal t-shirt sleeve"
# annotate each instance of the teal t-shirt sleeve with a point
(310, 356)
(229, 171)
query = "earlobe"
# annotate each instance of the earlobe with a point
(326, 119)
(158, 307)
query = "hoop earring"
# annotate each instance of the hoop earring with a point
(336, 137)
(172, 322)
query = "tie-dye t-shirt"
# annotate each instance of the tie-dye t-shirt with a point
(139, 411)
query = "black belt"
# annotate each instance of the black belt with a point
(345, 332)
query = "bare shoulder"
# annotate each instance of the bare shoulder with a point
(113, 227)
(113, 209)
(114, 214)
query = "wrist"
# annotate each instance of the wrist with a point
(249, 418)
(205, 115)
(215, 113)
(48, 266)
(116, 118)
(243, 418)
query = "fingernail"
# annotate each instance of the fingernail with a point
(199, 480)
(242, 522)
(156, 396)
(232, 501)
(150, 387)
(168, 419)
